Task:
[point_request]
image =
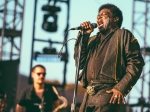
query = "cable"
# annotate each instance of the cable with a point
(60, 52)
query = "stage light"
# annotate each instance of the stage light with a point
(41, 57)
(50, 55)
(50, 24)
(49, 50)
(50, 18)
(146, 50)
(47, 58)
(52, 9)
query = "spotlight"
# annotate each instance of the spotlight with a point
(49, 50)
(50, 26)
(41, 57)
(50, 19)
(146, 50)
(47, 58)
(52, 9)
(48, 55)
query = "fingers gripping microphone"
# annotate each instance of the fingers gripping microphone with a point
(94, 25)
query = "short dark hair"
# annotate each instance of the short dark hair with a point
(116, 12)
(38, 66)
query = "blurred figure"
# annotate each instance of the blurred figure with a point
(40, 97)
(77, 107)
(3, 104)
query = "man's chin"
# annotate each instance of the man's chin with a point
(101, 29)
(40, 83)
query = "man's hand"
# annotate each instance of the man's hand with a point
(3, 104)
(117, 96)
(88, 28)
(20, 108)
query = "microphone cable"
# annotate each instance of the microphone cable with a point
(64, 43)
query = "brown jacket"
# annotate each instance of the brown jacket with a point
(123, 61)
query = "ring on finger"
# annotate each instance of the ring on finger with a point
(115, 96)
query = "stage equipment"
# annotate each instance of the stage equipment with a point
(50, 18)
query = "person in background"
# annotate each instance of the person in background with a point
(3, 103)
(110, 61)
(40, 97)
(3, 97)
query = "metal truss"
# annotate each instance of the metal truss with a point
(11, 27)
(35, 39)
(139, 98)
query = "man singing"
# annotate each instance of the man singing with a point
(110, 61)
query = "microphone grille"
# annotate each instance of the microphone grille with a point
(94, 25)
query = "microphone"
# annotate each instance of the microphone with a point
(94, 25)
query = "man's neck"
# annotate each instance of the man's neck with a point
(104, 34)
(38, 87)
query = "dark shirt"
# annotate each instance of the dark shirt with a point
(117, 59)
(96, 59)
(2, 93)
(2, 100)
(31, 101)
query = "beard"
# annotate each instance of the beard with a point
(104, 30)
(106, 26)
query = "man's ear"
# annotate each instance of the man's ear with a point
(116, 19)
(32, 74)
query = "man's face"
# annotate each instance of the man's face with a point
(38, 75)
(104, 20)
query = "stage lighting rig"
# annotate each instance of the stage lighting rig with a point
(50, 55)
(146, 50)
(47, 50)
(50, 18)
(52, 9)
